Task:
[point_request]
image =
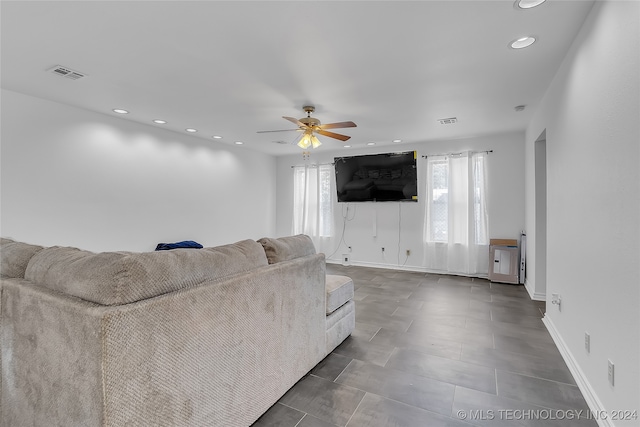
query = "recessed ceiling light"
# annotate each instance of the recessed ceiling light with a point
(120, 111)
(528, 4)
(238, 142)
(522, 42)
(160, 122)
(217, 137)
(371, 143)
(191, 130)
(347, 146)
(396, 141)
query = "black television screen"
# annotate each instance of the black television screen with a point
(389, 177)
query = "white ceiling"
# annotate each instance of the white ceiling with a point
(232, 68)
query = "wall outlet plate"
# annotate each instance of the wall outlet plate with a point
(587, 342)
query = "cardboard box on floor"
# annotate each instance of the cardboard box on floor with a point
(504, 261)
(503, 242)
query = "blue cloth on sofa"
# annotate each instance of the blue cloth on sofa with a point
(188, 244)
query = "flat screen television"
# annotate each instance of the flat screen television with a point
(388, 177)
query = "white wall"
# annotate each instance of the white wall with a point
(77, 178)
(400, 224)
(591, 116)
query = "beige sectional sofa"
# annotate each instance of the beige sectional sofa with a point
(188, 337)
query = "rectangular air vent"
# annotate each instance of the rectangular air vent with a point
(449, 121)
(66, 72)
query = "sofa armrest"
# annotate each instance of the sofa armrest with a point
(51, 357)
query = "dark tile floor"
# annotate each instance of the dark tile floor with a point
(433, 350)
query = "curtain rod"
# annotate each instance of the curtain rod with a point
(456, 154)
(313, 165)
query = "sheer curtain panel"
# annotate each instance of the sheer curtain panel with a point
(456, 221)
(312, 208)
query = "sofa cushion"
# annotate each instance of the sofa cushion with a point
(287, 248)
(113, 278)
(340, 324)
(14, 258)
(339, 290)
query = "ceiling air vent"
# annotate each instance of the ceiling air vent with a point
(66, 72)
(449, 121)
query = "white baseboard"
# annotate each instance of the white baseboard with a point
(402, 268)
(375, 265)
(536, 296)
(588, 392)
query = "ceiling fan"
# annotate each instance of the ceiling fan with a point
(310, 125)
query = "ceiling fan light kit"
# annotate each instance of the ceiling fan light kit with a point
(310, 126)
(307, 140)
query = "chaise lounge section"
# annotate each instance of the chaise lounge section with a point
(206, 337)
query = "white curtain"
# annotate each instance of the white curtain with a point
(312, 207)
(456, 222)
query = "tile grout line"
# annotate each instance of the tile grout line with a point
(539, 378)
(341, 372)
(356, 410)
(303, 417)
(374, 335)
(453, 401)
(389, 358)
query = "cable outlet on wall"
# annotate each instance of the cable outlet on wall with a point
(610, 372)
(408, 252)
(346, 259)
(556, 299)
(587, 342)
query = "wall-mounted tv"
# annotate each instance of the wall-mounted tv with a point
(388, 177)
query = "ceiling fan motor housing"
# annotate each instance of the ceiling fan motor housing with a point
(310, 121)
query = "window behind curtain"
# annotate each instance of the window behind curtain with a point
(438, 200)
(312, 207)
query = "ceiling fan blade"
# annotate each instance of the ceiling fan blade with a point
(333, 135)
(281, 130)
(338, 125)
(295, 121)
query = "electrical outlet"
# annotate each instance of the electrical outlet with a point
(610, 372)
(408, 252)
(587, 342)
(346, 259)
(556, 299)
(383, 249)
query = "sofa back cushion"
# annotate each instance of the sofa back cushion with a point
(113, 278)
(14, 257)
(287, 248)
